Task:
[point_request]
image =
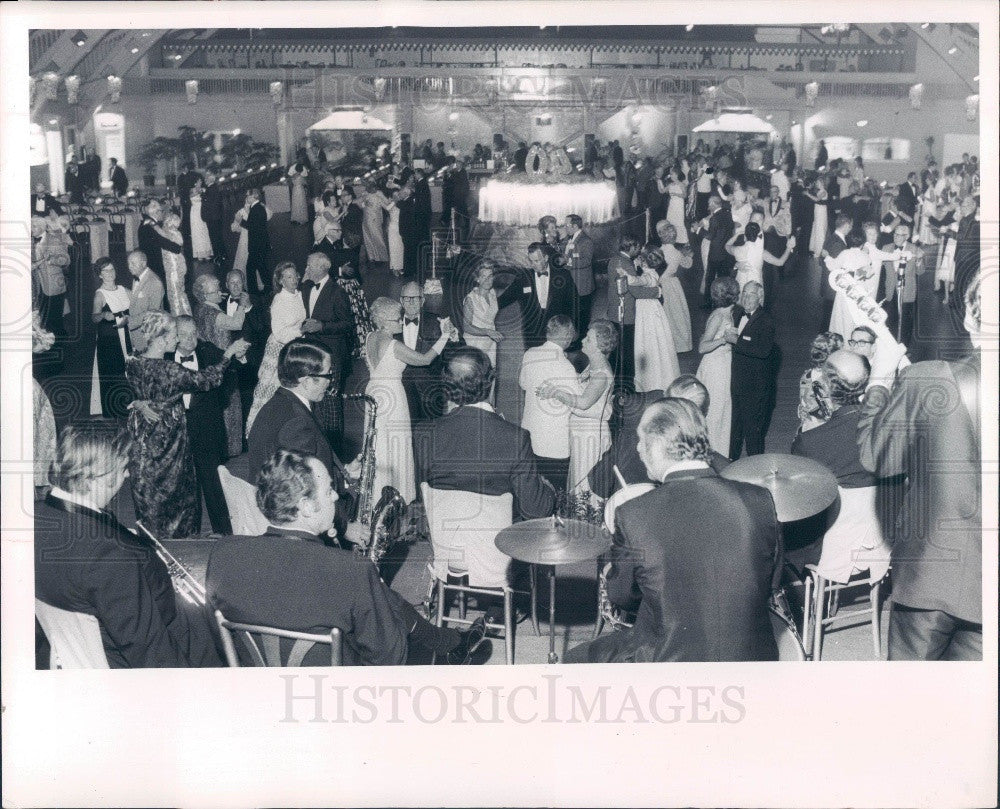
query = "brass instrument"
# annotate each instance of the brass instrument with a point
(381, 520)
(189, 588)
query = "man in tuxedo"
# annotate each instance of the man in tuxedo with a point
(145, 296)
(472, 448)
(290, 579)
(926, 424)
(547, 420)
(330, 321)
(696, 558)
(752, 338)
(579, 252)
(408, 231)
(821, 156)
(717, 233)
(187, 180)
(205, 425)
(460, 196)
(43, 203)
(835, 244)
(906, 198)
(420, 332)
(258, 243)
(119, 180)
(624, 449)
(87, 562)
(966, 251)
(328, 233)
(151, 242)
(422, 212)
(621, 309)
(256, 329)
(547, 291)
(520, 156)
(212, 216)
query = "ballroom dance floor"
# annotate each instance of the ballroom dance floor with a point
(797, 309)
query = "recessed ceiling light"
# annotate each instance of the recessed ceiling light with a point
(768, 117)
(863, 122)
(952, 49)
(135, 50)
(925, 25)
(975, 78)
(688, 27)
(53, 121)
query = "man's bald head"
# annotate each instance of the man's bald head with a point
(846, 376)
(467, 376)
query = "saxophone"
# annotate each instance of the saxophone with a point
(380, 520)
(184, 582)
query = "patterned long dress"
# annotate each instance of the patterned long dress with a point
(206, 316)
(161, 468)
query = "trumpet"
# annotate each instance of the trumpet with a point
(189, 588)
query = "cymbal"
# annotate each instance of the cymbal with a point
(801, 487)
(546, 542)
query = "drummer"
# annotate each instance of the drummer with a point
(700, 549)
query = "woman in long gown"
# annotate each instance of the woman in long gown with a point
(300, 207)
(387, 358)
(479, 313)
(109, 392)
(44, 442)
(174, 266)
(242, 247)
(590, 404)
(669, 259)
(219, 328)
(716, 363)
(374, 205)
(287, 315)
(927, 211)
(201, 243)
(161, 468)
(676, 191)
(865, 263)
(397, 250)
(747, 247)
(655, 356)
(817, 236)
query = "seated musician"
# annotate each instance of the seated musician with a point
(289, 579)
(698, 553)
(86, 561)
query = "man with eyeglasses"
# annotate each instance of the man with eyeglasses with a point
(288, 419)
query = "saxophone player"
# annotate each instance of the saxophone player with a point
(87, 562)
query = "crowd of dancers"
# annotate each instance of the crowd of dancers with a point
(199, 375)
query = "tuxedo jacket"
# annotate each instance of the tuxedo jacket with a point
(153, 244)
(85, 561)
(258, 238)
(119, 180)
(285, 422)
(475, 450)
(563, 300)
(753, 359)
(50, 203)
(720, 228)
(204, 417)
(211, 203)
(421, 381)
(580, 263)
(906, 200)
(699, 554)
(332, 308)
(291, 580)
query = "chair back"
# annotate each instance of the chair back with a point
(265, 648)
(75, 638)
(785, 636)
(241, 500)
(463, 529)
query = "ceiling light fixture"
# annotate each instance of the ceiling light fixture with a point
(135, 50)
(79, 39)
(863, 122)
(925, 25)
(952, 50)
(688, 27)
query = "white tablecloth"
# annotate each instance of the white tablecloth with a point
(277, 198)
(511, 204)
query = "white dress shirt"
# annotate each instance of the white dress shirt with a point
(542, 288)
(411, 331)
(314, 295)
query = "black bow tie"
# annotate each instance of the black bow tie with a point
(411, 321)
(187, 358)
(541, 274)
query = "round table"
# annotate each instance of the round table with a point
(553, 541)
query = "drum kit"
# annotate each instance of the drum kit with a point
(800, 488)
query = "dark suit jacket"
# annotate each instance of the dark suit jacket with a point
(474, 450)
(333, 310)
(284, 422)
(185, 182)
(720, 228)
(290, 580)
(424, 398)
(562, 300)
(211, 203)
(700, 552)
(580, 263)
(85, 561)
(752, 353)
(205, 424)
(258, 238)
(460, 189)
(906, 200)
(922, 428)
(833, 246)
(119, 180)
(632, 293)
(152, 244)
(50, 202)
(834, 444)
